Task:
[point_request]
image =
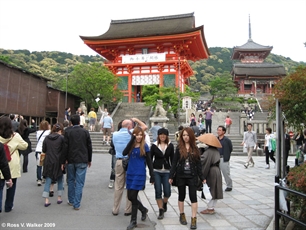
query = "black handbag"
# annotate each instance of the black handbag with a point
(125, 163)
(174, 180)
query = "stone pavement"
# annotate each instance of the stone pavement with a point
(249, 206)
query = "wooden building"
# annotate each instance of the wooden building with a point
(252, 74)
(28, 94)
(151, 51)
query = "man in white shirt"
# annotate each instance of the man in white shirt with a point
(107, 126)
(250, 142)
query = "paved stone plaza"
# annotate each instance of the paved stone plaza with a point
(249, 206)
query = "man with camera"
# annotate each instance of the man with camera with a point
(120, 140)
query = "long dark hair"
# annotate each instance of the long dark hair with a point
(136, 131)
(6, 130)
(194, 151)
(22, 126)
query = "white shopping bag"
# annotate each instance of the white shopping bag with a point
(245, 149)
(206, 192)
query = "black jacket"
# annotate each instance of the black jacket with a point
(178, 168)
(227, 148)
(4, 167)
(77, 145)
(287, 142)
(53, 148)
(161, 159)
(25, 137)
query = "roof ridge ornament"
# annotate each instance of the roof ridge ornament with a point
(250, 32)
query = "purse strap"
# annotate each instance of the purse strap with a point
(8, 142)
(40, 135)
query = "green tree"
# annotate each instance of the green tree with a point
(222, 86)
(291, 93)
(169, 96)
(89, 80)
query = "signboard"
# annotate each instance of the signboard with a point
(141, 58)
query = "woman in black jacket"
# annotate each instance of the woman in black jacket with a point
(162, 151)
(53, 171)
(24, 132)
(187, 167)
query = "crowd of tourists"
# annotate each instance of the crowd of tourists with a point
(199, 159)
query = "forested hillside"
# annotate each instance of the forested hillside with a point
(57, 65)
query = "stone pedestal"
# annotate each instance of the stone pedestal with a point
(160, 120)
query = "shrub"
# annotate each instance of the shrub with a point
(251, 101)
(297, 181)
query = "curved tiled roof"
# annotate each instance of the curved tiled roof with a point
(251, 45)
(256, 69)
(144, 27)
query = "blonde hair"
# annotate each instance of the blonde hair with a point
(136, 131)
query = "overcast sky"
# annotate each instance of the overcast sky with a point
(45, 25)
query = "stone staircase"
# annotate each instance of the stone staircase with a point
(128, 110)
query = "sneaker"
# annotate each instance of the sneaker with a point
(111, 184)
(246, 165)
(107, 143)
(38, 182)
(267, 167)
(43, 180)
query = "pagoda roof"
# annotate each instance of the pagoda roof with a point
(251, 46)
(258, 69)
(144, 27)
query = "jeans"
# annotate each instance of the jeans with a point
(60, 187)
(38, 168)
(113, 164)
(162, 183)
(10, 194)
(25, 162)
(76, 181)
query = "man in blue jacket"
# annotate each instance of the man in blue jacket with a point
(78, 154)
(225, 155)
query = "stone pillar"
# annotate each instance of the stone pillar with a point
(242, 123)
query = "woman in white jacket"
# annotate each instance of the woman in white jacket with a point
(14, 142)
(44, 130)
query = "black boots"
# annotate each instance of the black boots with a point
(193, 224)
(183, 220)
(133, 223)
(161, 214)
(144, 214)
(143, 210)
(165, 206)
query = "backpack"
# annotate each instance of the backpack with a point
(300, 157)
(273, 144)
(7, 152)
